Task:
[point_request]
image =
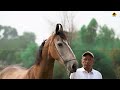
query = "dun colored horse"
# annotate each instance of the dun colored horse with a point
(54, 48)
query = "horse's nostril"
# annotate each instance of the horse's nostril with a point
(74, 67)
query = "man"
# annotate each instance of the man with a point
(86, 71)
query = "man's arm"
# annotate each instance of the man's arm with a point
(100, 75)
(72, 76)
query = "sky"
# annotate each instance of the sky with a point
(39, 22)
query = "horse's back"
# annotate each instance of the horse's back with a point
(13, 72)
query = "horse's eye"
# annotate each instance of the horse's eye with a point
(59, 44)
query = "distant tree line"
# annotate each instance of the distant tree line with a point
(16, 49)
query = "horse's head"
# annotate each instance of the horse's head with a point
(60, 50)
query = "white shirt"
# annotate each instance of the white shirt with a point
(81, 73)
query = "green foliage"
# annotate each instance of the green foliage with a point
(11, 45)
(59, 71)
(104, 64)
(91, 31)
(88, 34)
(9, 32)
(28, 55)
(116, 57)
(28, 36)
(106, 35)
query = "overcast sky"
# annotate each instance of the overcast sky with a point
(36, 21)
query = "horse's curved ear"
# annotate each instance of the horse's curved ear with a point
(59, 28)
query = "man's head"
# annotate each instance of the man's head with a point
(87, 60)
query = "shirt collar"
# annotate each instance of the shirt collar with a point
(85, 70)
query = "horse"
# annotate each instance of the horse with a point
(56, 47)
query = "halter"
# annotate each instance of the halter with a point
(69, 61)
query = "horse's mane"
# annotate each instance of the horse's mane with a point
(39, 53)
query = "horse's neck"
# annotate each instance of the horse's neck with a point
(44, 69)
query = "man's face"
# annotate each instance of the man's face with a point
(87, 61)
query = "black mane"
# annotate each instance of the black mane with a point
(39, 53)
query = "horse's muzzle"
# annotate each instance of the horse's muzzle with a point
(72, 66)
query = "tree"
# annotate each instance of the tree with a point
(88, 34)
(82, 34)
(11, 45)
(28, 55)
(91, 31)
(28, 36)
(103, 63)
(106, 35)
(9, 32)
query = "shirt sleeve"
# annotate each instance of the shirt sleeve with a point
(72, 76)
(100, 76)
